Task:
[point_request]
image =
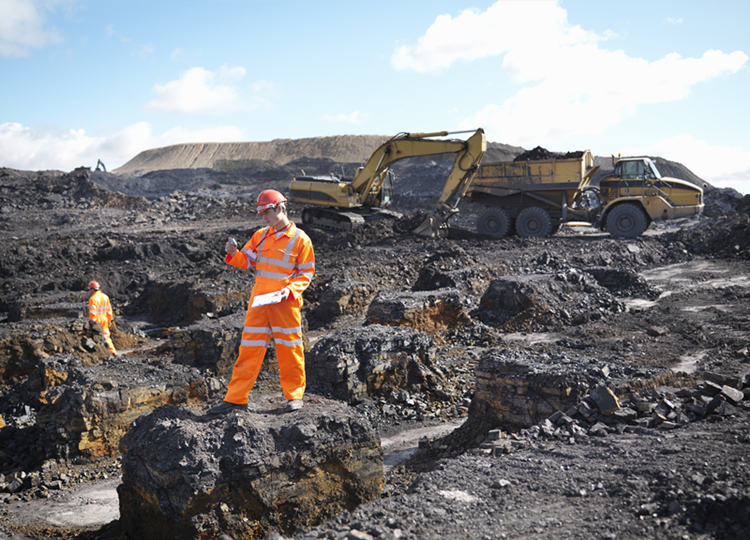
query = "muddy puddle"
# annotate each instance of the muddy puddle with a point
(692, 276)
(401, 447)
(86, 507)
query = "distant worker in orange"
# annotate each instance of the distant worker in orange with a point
(100, 314)
(284, 265)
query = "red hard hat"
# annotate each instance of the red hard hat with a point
(269, 199)
(94, 285)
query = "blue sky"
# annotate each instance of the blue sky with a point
(83, 80)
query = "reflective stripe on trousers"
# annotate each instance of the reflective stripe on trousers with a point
(283, 322)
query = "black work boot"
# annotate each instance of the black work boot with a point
(225, 407)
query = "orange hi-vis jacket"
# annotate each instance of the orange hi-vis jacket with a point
(281, 260)
(100, 310)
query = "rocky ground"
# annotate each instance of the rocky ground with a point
(661, 318)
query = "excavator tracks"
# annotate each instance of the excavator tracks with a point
(340, 220)
(331, 219)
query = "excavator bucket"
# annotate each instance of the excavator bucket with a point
(431, 226)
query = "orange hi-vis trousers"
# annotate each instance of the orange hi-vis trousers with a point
(282, 321)
(108, 339)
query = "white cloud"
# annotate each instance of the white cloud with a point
(565, 91)
(146, 50)
(524, 29)
(178, 54)
(721, 166)
(111, 32)
(41, 148)
(22, 28)
(569, 104)
(262, 93)
(202, 91)
(672, 21)
(355, 117)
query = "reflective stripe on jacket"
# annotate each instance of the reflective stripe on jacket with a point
(100, 310)
(281, 260)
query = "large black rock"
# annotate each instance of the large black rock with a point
(189, 474)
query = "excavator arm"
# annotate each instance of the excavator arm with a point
(346, 202)
(369, 179)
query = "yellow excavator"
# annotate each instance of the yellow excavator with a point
(341, 204)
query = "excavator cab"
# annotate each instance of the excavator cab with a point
(384, 198)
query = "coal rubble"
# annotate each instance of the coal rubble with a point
(601, 450)
(594, 388)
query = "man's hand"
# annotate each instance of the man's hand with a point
(231, 247)
(285, 293)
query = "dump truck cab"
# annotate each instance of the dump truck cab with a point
(635, 194)
(636, 168)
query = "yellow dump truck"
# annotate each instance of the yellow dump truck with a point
(534, 198)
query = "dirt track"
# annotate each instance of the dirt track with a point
(688, 280)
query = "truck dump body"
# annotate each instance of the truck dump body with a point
(515, 185)
(530, 175)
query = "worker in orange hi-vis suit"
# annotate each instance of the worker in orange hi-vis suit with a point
(100, 314)
(284, 264)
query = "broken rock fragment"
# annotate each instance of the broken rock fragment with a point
(605, 399)
(530, 301)
(189, 474)
(732, 395)
(352, 364)
(342, 297)
(433, 277)
(431, 312)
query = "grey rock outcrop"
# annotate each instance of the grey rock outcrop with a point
(523, 301)
(352, 364)
(90, 408)
(516, 391)
(209, 344)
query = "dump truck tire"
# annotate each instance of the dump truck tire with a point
(494, 222)
(533, 222)
(626, 221)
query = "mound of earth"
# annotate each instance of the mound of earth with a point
(348, 148)
(224, 157)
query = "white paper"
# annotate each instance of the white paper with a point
(266, 299)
